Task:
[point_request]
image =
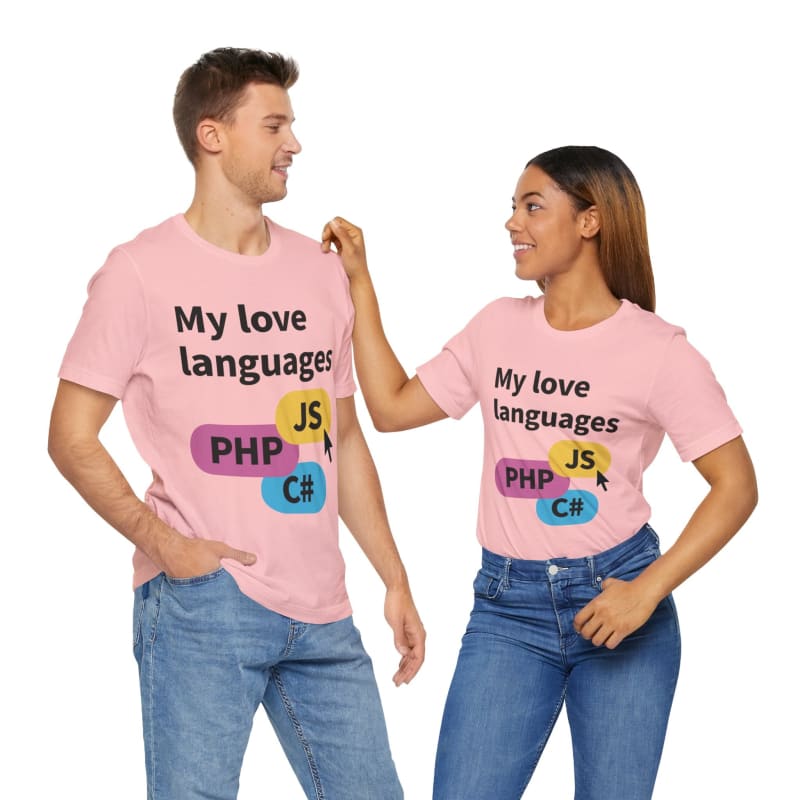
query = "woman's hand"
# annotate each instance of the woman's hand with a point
(348, 239)
(620, 609)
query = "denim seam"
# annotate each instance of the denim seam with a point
(296, 631)
(139, 618)
(298, 729)
(150, 690)
(676, 624)
(196, 580)
(562, 645)
(546, 736)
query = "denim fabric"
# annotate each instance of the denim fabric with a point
(521, 660)
(208, 656)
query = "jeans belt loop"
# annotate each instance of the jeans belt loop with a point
(506, 570)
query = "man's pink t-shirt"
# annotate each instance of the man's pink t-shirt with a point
(572, 419)
(228, 368)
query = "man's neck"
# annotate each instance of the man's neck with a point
(231, 225)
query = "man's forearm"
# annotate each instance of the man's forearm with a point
(74, 445)
(88, 466)
(362, 509)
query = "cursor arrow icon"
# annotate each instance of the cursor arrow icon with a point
(328, 445)
(602, 481)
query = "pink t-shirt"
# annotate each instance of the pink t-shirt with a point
(228, 368)
(572, 419)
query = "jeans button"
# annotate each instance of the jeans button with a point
(552, 569)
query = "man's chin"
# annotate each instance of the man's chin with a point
(274, 196)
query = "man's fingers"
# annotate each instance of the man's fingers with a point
(410, 643)
(409, 666)
(242, 556)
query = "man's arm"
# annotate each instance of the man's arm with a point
(362, 509)
(78, 415)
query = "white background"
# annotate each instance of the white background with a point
(416, 119)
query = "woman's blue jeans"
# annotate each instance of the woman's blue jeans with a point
(209, 657)
(521, 660)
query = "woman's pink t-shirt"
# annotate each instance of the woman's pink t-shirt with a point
(572, 419)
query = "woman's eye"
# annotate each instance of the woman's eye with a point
(532, 206)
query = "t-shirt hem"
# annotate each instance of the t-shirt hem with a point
(316, 616)
(256, 592)
(710, 442)
(436, 392)
(346, 390)
(91, 380)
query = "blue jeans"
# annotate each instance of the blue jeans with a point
(208, 656)
(521, 660)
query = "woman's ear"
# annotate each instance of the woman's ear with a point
(589, 222)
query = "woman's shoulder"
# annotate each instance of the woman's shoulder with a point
(649, 323)
(503, 312)
(504, 306)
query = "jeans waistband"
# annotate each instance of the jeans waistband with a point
(599, 563)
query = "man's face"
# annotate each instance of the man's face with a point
(259, 143)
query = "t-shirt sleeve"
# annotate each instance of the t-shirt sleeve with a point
(110, 336)
(344, 382)
(689, 404)
(449, 378)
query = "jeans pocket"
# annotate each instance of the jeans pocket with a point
(487, 586)
(196, 580)
(633, 566)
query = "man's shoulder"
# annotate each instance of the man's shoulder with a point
(306, 254)
(298, 242)
(151, 240)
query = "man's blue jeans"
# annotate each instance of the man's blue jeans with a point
(521, 660)
(209, 656)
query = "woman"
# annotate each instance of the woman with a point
(577, 388)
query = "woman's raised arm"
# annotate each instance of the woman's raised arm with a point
(395, 401)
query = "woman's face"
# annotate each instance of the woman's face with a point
(545, 229)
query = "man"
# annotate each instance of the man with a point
(227, 338)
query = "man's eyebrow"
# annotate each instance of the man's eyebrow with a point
(277, 118)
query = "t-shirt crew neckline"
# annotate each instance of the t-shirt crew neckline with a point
(226, 255)
(599, 327)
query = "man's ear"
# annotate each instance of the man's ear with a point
(209, 135)
(590, 222)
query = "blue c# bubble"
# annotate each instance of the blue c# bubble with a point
(574, 507)
(302, 491)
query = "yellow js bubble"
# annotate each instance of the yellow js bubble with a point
(579, 459)
(304, 416)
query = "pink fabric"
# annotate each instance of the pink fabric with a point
(572, 419)
(228, 368)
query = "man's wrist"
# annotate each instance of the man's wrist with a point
(157, 539)
(398, 582)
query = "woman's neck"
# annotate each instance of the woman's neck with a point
(572, 302)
